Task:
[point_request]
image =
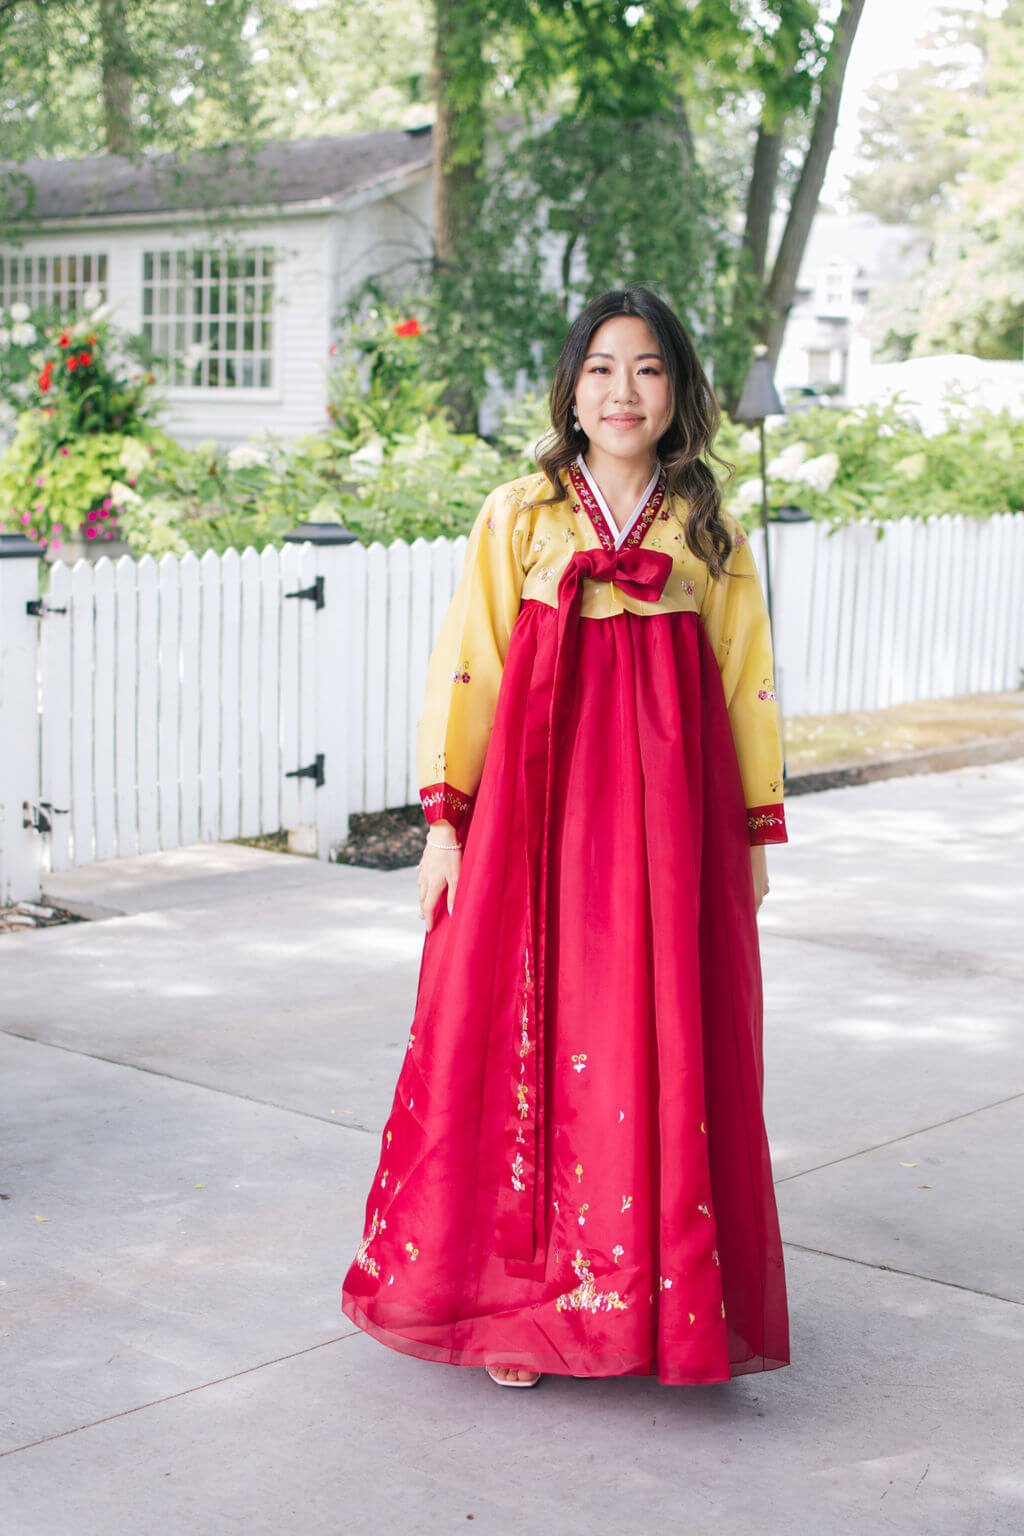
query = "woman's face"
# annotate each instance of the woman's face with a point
(622, 392)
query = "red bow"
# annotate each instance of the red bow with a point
(522, 1216)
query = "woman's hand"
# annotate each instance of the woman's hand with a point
(439, 868)
(759, 870)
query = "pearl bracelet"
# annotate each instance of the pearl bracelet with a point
(444, 847)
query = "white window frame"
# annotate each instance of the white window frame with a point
(42, 277)
(833, 290)
(220, 297)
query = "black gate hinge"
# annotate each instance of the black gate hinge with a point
(313, 770)
(38, 607)
(315, 592)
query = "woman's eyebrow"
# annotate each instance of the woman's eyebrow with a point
(636, 359)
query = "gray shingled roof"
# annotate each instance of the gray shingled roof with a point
(235, 175)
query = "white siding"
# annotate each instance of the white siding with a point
(390, 237)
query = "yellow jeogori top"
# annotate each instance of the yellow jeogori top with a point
(515, 552)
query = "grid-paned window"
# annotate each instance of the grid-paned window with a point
(209, 313)
(61, 280)
(834, 290)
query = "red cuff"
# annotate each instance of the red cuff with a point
(441, 802)
(766, 824)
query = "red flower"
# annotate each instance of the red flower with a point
(92, 341)
(409, 327)
(72, 364)
(65, 339)
(46, 377)
(84, 359)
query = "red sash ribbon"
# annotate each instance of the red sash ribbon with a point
(522, 1215)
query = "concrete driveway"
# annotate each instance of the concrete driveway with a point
(194, 1092)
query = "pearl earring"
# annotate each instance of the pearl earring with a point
(576, 421)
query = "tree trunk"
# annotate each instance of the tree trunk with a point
(458, 141)
(812, 176)
(761, 197)
(116, 82)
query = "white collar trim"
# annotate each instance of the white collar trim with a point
(618, 535)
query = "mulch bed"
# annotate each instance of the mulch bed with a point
(30, 914)
(385, 839)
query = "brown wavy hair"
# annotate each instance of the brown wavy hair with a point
(685, 445)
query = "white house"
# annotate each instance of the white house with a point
(233, 262)
(848, 258)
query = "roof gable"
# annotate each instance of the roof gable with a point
(275, 173)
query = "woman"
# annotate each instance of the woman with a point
(574, 1177)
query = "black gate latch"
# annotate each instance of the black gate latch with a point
(35, 815)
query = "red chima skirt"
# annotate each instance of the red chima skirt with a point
(574, 1176)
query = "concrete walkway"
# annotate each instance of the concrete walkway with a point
(194, 1093)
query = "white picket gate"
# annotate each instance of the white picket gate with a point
(152, 704)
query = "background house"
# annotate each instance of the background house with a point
(848, 258)
(235, 261)
(232, 262)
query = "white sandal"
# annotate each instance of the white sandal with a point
(509, 1382)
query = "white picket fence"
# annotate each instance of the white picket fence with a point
(932, 609)
(155, 704)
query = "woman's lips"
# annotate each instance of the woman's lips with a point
(623, 421)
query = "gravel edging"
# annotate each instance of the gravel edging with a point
(393, 839)
(964, 754)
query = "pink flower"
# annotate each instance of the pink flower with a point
(64, 452)
(103, 510)
(108, 503)
(58, 528)
(57, 543)
(93, 515)
(90, 533)
(109, 534)
(40, 480)
(26, 517)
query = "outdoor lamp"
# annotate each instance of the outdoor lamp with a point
(760, 398)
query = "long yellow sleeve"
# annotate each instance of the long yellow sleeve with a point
(735, 616)
(464, 673)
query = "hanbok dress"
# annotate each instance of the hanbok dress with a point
(575, 1176)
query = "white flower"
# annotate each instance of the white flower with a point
(193, 356)
(19, 311)
(5, 336)
(750, 441)
(819, 473)
(123, 495)
(134, 457)
(368, 459)
(246, 456)
(786, 464)
(750, 493)
(23, 334)
(92, 299)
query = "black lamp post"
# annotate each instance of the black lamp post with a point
(760, 398)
